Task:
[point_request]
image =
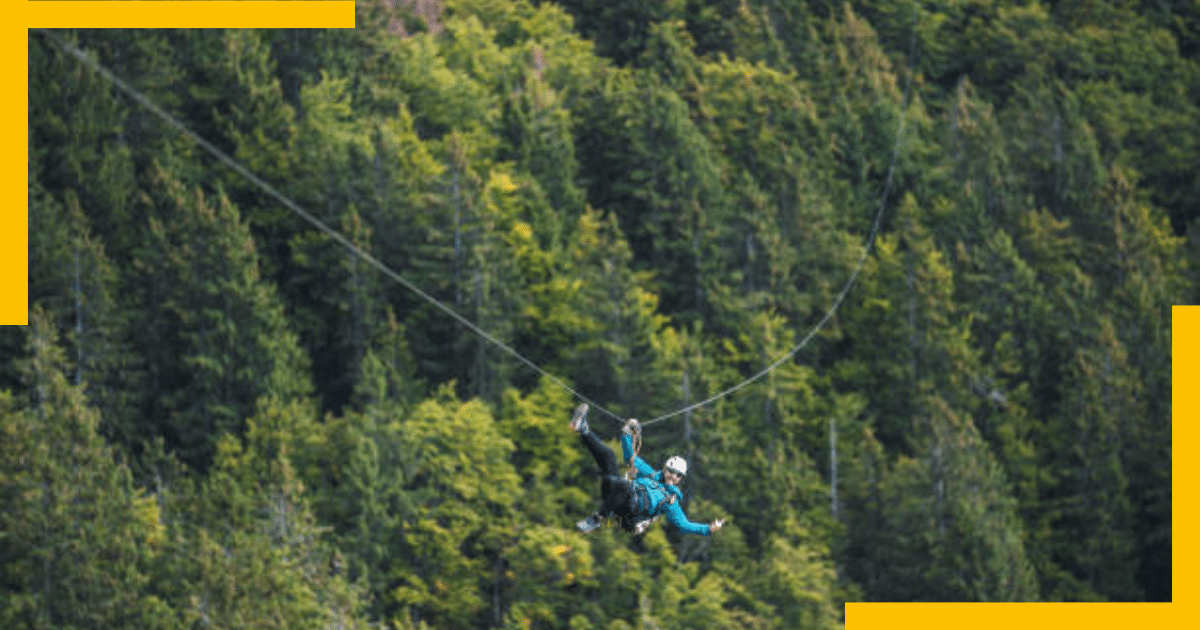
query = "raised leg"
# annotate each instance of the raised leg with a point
(605, 458)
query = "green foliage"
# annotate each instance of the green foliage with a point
(242, 546)
(647, 161)
(72, 278)
(79, 537)
(650, 202)
(214, 333)
(462, 489)
(621, 29)
(547, 459)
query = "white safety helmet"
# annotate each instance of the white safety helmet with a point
(677, 465)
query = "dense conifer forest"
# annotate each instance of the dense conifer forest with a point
(220, 416)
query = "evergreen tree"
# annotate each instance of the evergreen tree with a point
(613, 344)
(920, 345)
(1062, 168)
(797, 580)
(462, 490)
(1009, 323)
(653, 216)
(72, 278)
(215, 336)
(236, 102)
(760, 445)
(860, 90)
(1088, 505)
(79, 537)
(1148, 275)
(538, 130)
(344, 309)
(358, 482)
(243, 547)
(550, 461)
(648, 162)
(784, 250)
(621, 29)
(952, 522)
(89, 138)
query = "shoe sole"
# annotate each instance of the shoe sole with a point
(578, 416)
(587, 528)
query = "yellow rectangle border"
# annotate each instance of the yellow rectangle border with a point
(14, 168)
(1185, 406)
(1032, 616)
(14, 218)
(194, 14)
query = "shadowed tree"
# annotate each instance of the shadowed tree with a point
(214, 332)
(79, 537)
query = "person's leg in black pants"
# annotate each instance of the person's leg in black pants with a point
(604, 456)
(614, 490)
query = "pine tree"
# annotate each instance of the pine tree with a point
(614, 345)
(783, 251)
(446, 262)
(926, 415)
(243, 546)
(88, 137)
(389, 371)
(80, 537)
(1062, 167)
(648, 162)
(215, 337)
(1148, 278)
(860, 93)
(1088, 506)
(548, 459)
(538, 134)
(451, 450)
(621, 29)
(343, 308)
(797, 579)
(237, 104)
(761, 444)
(72, 278)
(923, 344)
(357, 482)
(953, 531)
(1009, 315)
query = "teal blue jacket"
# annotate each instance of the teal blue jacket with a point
(664, 498)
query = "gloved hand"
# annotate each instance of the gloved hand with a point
(717, 524)
(631, 427)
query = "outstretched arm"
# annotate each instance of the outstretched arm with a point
(680, 521)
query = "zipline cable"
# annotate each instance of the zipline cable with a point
(304, 214)
(371, 260)
(861, 261)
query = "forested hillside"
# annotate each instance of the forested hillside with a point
(219, 416)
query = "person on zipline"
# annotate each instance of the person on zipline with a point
(640, 502)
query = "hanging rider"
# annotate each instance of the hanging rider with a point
(650, 494)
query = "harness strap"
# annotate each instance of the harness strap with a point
(641, 499)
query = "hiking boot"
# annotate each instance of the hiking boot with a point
(590, 524)
(641, 526)
(579, 419)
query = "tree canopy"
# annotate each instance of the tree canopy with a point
(220, 415)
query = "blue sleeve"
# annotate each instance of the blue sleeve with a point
(627, 450)
(680, 521)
